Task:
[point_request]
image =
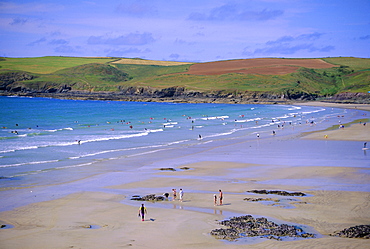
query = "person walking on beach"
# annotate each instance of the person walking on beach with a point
(174, 193)
(221, 196)
(142, 212)
(181, 194)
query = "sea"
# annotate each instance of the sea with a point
(42, 137)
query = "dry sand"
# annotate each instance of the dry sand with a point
(62, 223)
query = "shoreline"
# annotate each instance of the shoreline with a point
(116, 96)
(364, 107)
(96, 212)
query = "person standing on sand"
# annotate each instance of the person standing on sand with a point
(174, 193)
(142, 212)
(215, 199)
(221, 196)
(181, 193)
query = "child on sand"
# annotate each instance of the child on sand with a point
(215, 199)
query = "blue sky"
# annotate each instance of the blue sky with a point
(187, 30)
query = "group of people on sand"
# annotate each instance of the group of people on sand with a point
(174, 193)
(220, 198)
(181, 194)
(143, 211)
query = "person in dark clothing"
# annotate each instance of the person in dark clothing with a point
(142, 212)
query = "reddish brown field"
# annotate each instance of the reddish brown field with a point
(269, 66)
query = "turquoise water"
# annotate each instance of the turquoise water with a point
(40, 135)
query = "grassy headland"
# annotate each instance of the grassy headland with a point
(279, 77)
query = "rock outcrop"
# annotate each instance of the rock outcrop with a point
(8, 81)
(361, 231)
(277, 192)
(347, 97)
(151, 197)
(247, 226)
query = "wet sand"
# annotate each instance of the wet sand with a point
(65, 222)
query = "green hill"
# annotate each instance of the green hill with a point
(294, 78)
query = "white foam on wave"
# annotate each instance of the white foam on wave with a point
(170, 123)
(114, 137)
(117, 150)
(294, 108)
(155, 130)
(55, 130)
(314, 111)
(61, 129)
(247, 120)
(177, 142)
(27, 163)
(221, 134)
(69, 143)
(214, 118)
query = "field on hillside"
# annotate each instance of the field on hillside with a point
(320, 77)
(352, 62)
(48, 64)
(266, 66)
(150, 62)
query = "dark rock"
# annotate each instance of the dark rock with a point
(151, 197)
(277, 192)
(361, 231)
(260, 199)
(185, 168)
(247, 226)
(2, 226)
(170, 169)
(348, 97)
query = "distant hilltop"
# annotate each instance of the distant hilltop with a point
(261, 80)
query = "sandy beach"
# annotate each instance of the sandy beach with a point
(337, 197)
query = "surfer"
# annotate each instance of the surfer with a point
(200, 136)
(365, 145)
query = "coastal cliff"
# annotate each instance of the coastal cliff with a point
(260, 81)
(180, 94)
